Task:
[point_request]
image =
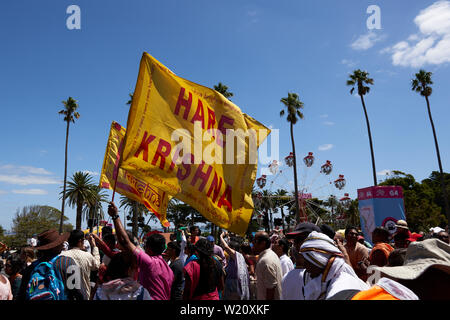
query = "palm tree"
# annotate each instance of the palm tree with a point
(93, 209)
(282, 198)
(135, 209)
(293, 105)
(360, 79)
(421, 84)
(70, 114)
(223, 89)
(79, 192)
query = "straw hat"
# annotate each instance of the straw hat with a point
(420, 256)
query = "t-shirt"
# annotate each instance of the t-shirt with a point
(291, 285)
(87, 262)
(268, 274)
(5, 288)
(286, 264)
(176, 292)
(357, 254)
(155, 275)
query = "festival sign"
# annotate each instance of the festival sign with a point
(181, 138)
(380, 206)
(154, 199)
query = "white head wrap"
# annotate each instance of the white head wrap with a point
(337, 275)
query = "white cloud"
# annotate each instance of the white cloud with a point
(13, 169)
(26, 175)
(325, 147)
(348, 63)
(92, 173)
(431, 45)
(384, 172)
(27, 180)
(366, 41)
(36, 192)
(3, 192)
(328, 123)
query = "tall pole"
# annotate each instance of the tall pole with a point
(61, 222)
(297, 207)
(443, 187)
(370, 142)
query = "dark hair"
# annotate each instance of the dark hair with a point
(263, 237)
(246, 248)
(156, 242)
(190, 247)
(106, 230)
(17, 264)
(234, 245)
(284, 244)
(397, 257)
(383, 232)
(205, 250)
(326, 229)
(28, 252)
(192, 228)
(347, 230)
(75, 236)
(175, 246)
(110, 239)
(119, 266)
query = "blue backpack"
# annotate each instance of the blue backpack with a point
(45, 282)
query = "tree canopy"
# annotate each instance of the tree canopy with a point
(32, 220)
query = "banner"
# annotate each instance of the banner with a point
(380, 206)
(154, 199)
(193, 143)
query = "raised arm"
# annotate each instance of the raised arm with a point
(103, 246)
(122, 236)
(226, 247)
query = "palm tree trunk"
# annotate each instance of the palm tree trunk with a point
(79, 213)
(370, 141)
(297, 207)
(134, 228)
(444, 189)
(65, 180)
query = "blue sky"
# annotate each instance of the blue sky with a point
(260, 49)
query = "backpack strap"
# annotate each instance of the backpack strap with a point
(141, 294)
(345, 294)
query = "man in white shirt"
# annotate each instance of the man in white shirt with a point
(86, 261)
(281, 248)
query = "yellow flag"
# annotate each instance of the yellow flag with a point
(193, 143)
(154, 199)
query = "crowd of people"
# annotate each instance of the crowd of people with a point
(309, 263)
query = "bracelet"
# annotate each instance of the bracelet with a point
(115, 217)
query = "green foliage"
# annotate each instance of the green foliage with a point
(81, 192)
(360, 79)
(32, 220)
(421, 83)
(69, 111)
(223, 89)
(181, 213)
(421, 209)
(293, 106)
